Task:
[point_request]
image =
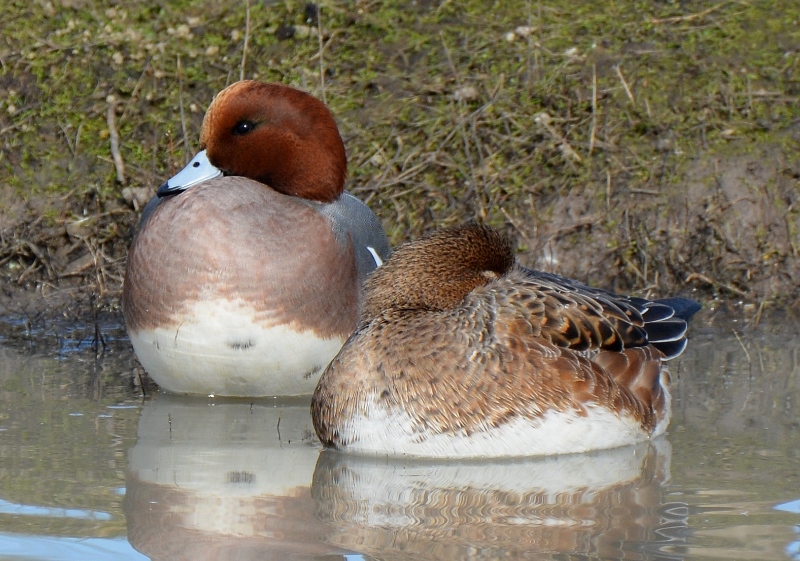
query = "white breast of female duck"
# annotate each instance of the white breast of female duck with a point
(378, 431)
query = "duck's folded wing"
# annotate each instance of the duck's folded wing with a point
(583, 318)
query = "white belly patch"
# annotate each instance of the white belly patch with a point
(557, 432)
(219, 349)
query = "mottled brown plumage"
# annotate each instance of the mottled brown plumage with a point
(460, 340)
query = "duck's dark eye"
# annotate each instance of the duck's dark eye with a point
(243, 127)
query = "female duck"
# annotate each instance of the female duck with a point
(463, 353)
(245, 276)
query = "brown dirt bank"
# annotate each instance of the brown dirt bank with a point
(642, 147)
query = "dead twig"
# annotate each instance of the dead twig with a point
(741, 343)
(593, 131)
(690, 17)
(32, 268)
(406, 175)
(321, 58)
(625, 84)
(544, 120)
(183, 113)
(135, 90)
(246, 38)
(520, 230)
(13, 126)
(66, 137)
(464, 139)
(113, 136)
(712, 282)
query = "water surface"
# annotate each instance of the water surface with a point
(91, 469)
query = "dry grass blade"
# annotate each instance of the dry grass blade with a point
(246, 39)
(690, 17)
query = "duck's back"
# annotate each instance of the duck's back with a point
(352, 219)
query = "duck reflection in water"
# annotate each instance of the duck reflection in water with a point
(606, 505)
(227, 480)
(243, 481)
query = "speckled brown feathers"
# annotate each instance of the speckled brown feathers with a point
(473, 367)
(447, 266)
(461, 339)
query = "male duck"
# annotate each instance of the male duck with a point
(245, 276)
(461, 352)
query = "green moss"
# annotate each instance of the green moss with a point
(673, 82)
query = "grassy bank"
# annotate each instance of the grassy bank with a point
(639, 146)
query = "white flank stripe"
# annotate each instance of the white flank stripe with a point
(375, 256)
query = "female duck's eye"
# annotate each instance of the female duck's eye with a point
(243, 127)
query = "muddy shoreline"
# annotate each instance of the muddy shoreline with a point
(652, 152)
